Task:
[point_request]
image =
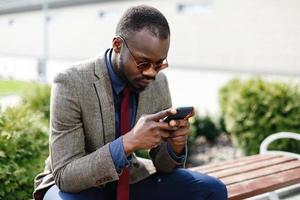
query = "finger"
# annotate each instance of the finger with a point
(162, 114)
(158, 142)
(179, 123)
(181, 132)
(160, 134)
(165, 126)
(155, 145)
(165, 134)
(178, 140)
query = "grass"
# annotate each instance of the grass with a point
(11, 87)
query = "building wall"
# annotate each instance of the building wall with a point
(212, 41)
(243, 35)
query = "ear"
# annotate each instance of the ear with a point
(117, 43)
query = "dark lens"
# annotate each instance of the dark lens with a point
(144, 66)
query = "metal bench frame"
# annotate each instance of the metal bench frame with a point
(264, 150)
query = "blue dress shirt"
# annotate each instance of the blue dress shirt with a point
(116, 147)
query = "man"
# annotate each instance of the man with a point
(104, 109)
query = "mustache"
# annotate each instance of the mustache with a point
(147, 78)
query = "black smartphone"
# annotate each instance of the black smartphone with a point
(182, 112)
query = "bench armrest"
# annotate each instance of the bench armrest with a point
(268, 140)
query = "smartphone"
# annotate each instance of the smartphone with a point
(182, 112)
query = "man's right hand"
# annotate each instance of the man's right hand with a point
(148, 132)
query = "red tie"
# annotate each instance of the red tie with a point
(123, 184)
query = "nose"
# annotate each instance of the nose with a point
(150, 72)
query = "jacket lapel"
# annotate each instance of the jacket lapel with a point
(140, 107)
(145, 103)
(105, 96)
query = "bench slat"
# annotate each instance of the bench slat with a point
(262, 172)
(263, 184)
(234, 163)
(251, 167)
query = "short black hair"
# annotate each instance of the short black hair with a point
(139, 17)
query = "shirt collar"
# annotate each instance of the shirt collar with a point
(117, 84)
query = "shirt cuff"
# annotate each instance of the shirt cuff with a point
(117, 153)
(171, 152)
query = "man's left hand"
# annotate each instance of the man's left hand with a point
(179, 137)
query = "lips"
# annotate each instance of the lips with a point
(145, 82)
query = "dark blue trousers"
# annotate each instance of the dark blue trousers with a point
(181, 184)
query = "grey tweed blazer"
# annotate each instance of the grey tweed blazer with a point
(82, 124)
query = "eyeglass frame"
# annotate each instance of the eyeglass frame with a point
(149, 64)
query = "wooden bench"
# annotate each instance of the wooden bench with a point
(253, 175)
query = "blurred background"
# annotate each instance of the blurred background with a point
(236, 61)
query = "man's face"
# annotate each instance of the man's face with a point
(139, 48)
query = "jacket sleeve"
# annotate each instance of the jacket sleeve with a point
(73, 169)
(160, 156)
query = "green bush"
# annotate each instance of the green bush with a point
(204, 126)
(142, 153)
(255, 108)
(226, 92)
(14, 87)
(23, 149)
(38, 99)
(209, 129)
(194, 130)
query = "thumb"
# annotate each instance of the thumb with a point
(162, 114)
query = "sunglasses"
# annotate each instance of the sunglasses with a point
(146, 65)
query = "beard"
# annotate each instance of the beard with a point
(132, 83)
